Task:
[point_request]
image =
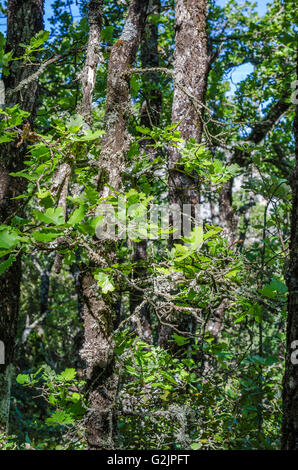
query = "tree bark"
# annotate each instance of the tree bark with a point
(191, 66)
(24, 20)
(92, 59)
(226, 211)
(150, 116)
(290, 384)
(100, 309)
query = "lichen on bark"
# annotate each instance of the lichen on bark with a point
(100, 309)
(24, 20)
(290, 382)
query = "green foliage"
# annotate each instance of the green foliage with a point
(104, 281)
(64, 394)
(218, 390)
(9, 442)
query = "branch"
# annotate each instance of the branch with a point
(38, 72)
(150, 70)
(261, 129)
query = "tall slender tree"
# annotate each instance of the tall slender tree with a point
(150, 116)
(191, 66)
(24, 20)
(290, 383)
(100, 309)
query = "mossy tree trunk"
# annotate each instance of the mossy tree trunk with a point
(290, 383)
(24, 20)
(100, 310)
(150, 116)
(191, 66)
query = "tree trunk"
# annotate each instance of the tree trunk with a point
(92, 59)
(226, 211)
(191, 65)
(290, 384)
(24, 20)
(100, 309)
(150, 115)
(44, 300)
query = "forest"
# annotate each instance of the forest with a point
(148, 225)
